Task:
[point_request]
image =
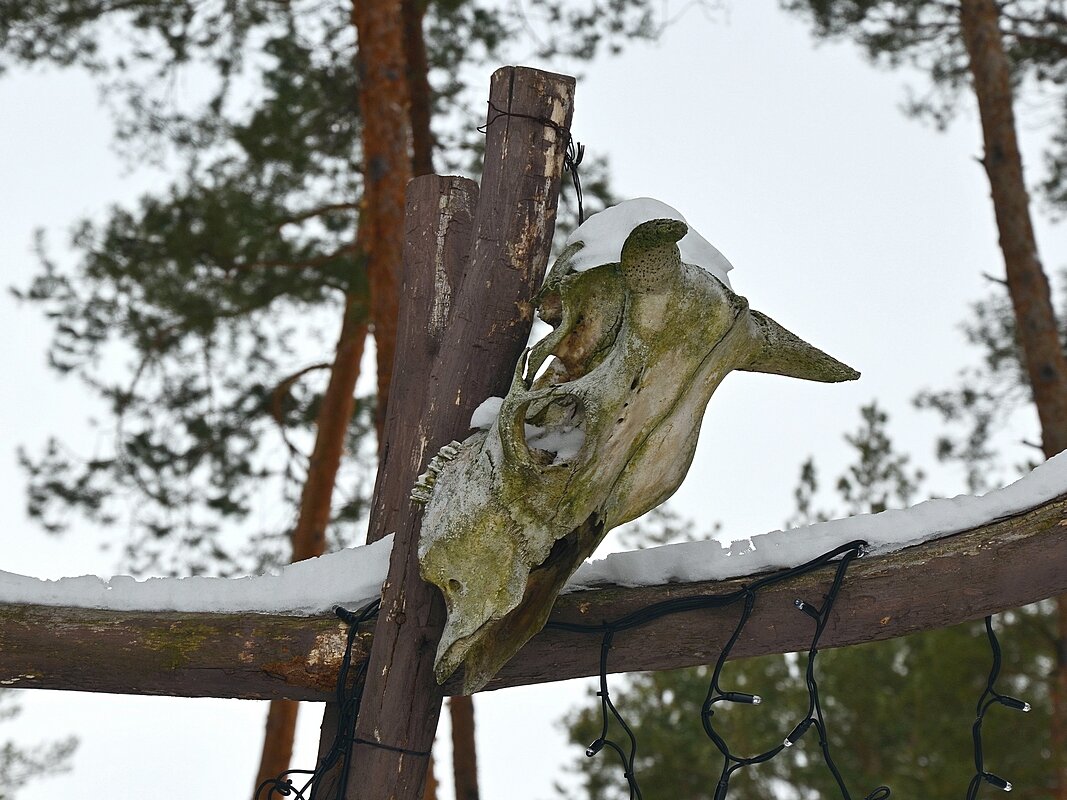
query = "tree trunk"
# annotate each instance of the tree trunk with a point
(1029, 289)
(335, 414)
(384, 107)
(515, 219)
(1028, 286)
(430, 791)
(461, 708)
(309, 535)
(418, 78)
(277, 742)
(464, 757)
(384, 104)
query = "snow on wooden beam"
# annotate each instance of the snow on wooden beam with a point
(989, 568)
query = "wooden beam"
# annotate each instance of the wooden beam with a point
(987, 569)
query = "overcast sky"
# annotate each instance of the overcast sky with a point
(862, 231)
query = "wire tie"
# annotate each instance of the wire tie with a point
(392, 748)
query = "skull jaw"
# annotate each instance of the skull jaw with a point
(485, 651)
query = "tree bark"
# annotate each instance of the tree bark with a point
(464, 756)
(440, 214)
(418, 78)
(1036, 325)
(384, 104)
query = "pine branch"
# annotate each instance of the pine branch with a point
(309, 263)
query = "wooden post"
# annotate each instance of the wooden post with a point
(479, 327)
(437, 236)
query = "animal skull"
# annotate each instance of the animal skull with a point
(605, 432)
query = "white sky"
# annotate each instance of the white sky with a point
(862, 231)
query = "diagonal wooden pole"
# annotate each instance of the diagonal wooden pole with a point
(481, 326)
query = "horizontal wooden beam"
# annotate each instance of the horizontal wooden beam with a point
(991, 568)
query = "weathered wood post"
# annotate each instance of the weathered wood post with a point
(460, 337)
(439, 219)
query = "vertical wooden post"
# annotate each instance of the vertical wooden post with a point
(480, 327)
(438, 227)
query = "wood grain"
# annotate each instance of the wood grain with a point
(476, 338)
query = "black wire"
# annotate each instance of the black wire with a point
(986, 700)
(348, 694)
(747, 594)
(574, 152)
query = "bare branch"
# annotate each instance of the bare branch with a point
(315, 212)
(278, 395)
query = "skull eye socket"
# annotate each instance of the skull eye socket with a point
(553, 428)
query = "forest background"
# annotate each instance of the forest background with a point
(862, 230)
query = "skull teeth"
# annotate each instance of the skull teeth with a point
(423, 489)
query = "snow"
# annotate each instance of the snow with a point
(563, 442)
(347, 577)
(485, 415)
(884, 532)
(354, 575)
(604, 234)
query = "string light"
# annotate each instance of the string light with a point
(747, 597)
(987, 700)
(348, 694)
(349, 690)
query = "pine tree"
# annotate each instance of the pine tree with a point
(933, 38)
(991, 48)
(220, 290)
(20, 764)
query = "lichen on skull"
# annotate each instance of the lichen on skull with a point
(598, 427)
